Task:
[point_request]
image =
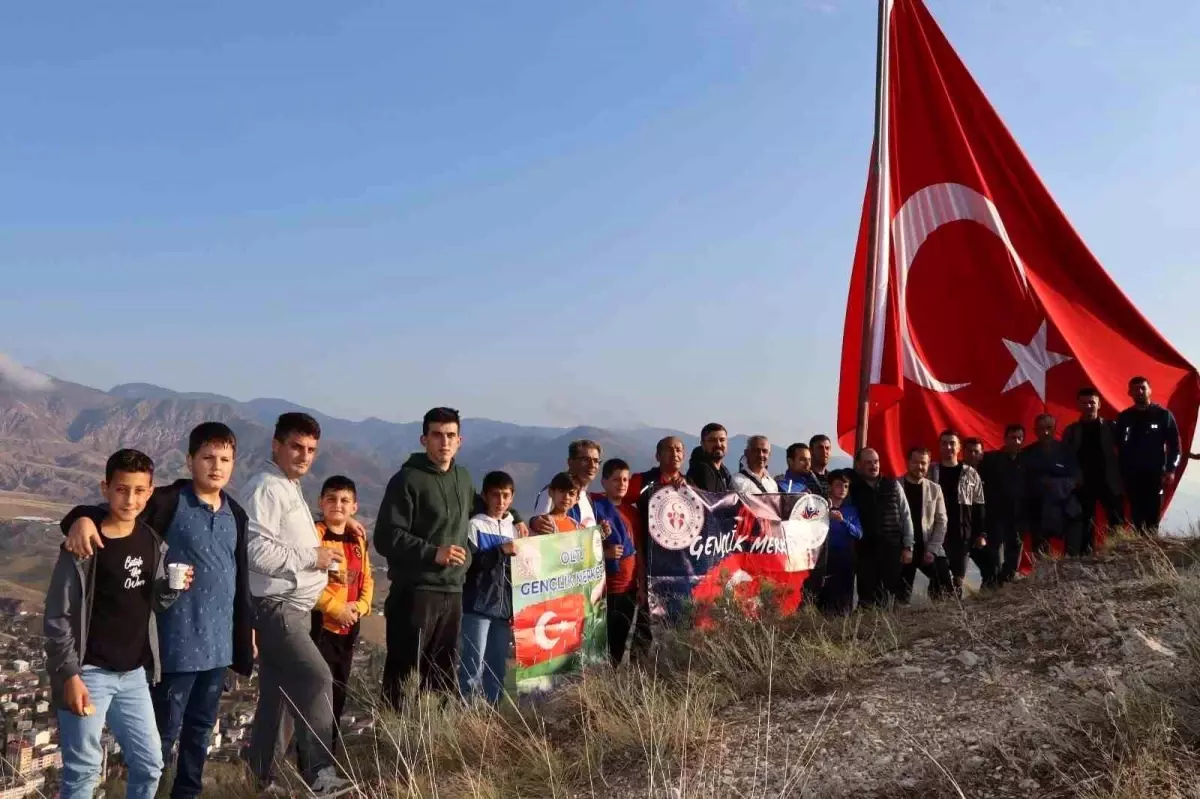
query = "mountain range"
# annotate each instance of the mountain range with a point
(56, 435)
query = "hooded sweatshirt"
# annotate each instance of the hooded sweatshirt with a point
(707, 477)
(423, 509)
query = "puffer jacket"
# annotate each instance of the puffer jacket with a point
(488, 587)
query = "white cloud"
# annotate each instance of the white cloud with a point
(22, 376)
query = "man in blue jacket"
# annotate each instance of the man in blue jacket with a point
(1148, 455)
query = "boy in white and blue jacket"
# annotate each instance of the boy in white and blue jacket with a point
(487, 593)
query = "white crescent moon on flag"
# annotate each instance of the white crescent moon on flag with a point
(922, 213)
(539, 631)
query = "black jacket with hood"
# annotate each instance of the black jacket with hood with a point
(158, 515)
(423, 509)
(705, 476)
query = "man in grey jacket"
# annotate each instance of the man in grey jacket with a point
(927, 505)
(288, 572)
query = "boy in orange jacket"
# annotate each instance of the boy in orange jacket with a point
(347, 597)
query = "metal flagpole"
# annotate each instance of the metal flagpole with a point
(878, 240)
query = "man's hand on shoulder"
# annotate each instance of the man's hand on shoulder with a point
(355, 527)
(541, 525)
(84, 538)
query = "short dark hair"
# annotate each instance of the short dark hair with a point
(1014, 427)
(129, 461)
(819, 438)
(612, 466)
(497, 481)
(949, 432)
(296, 422)
(794, 448)
(663, 442)
(973, 441)
(917, 451)
(1134, 381)
(216, 433)
(711, 427)
(338, 482)
(440, 416)
(577, 448)
(1088, 391)
(845, 475)
(1042, 416)
(562, 482)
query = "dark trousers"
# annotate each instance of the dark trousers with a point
(1004, 542)
(1082, 536)
(957, 548)
(622, 609)
(987, 560)
(185, 708)
(877, 566)
(338, 651)
(837, 591)
(815, 581)
(937, 571)
(1144, 490)
(423, 633)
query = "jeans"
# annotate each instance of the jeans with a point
(837, 592)
(424, 629)
(122, 701)
(1145, 493)
(292, 678)
(622, 609)
(485, 644)
(185, 705)
(877, 567)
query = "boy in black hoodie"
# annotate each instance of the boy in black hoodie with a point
(422, 531)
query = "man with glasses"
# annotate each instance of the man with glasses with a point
(583, 464)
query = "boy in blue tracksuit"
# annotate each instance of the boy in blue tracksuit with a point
(487, 593)
(837, 593)
(1147, 454)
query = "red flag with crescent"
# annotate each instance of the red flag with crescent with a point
(988, 307)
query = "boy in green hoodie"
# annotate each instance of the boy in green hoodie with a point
(422, 531)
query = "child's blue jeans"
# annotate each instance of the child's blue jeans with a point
(122, 700)
(484, 656)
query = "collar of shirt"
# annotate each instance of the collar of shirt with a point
(194, 501)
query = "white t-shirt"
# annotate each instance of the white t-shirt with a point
(744, 485)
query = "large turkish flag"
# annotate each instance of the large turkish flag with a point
(989, 307)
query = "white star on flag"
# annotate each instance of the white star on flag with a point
(1033, 361)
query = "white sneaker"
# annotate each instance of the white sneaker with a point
(275, 789)
(328, 782)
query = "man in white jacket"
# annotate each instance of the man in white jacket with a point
(288, 572)
(754, 477)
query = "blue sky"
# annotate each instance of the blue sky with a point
(542, 212)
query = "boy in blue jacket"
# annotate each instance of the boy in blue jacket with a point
(487, 593)
(837, 594)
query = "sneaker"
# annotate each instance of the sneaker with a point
(328, 782)
(275, 789)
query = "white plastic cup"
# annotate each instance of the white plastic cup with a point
(177, 576)
(335, 566)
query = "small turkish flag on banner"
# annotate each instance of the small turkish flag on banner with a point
(988, 308)
(549, 629)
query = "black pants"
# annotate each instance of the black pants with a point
(987, 560)
(957, 548)
(1091, 494)
(837, 591)
(1004, 542)
(938, 572)
(338, 651)
(622, 608)
(423, 633)
(1144, 490)
(877, 566)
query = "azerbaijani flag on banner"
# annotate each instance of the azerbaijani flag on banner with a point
(559, 607)
(704, 546)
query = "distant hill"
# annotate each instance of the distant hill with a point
(53, 442)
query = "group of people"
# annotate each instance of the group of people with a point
(263, 580)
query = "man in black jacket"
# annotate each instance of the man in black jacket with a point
(887, 540)
(1094, 442)
(706, 470)
(1148, 454)
(208, 629)
(1005, 486)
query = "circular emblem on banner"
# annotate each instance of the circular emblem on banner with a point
(805, 530)
(676, 517)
